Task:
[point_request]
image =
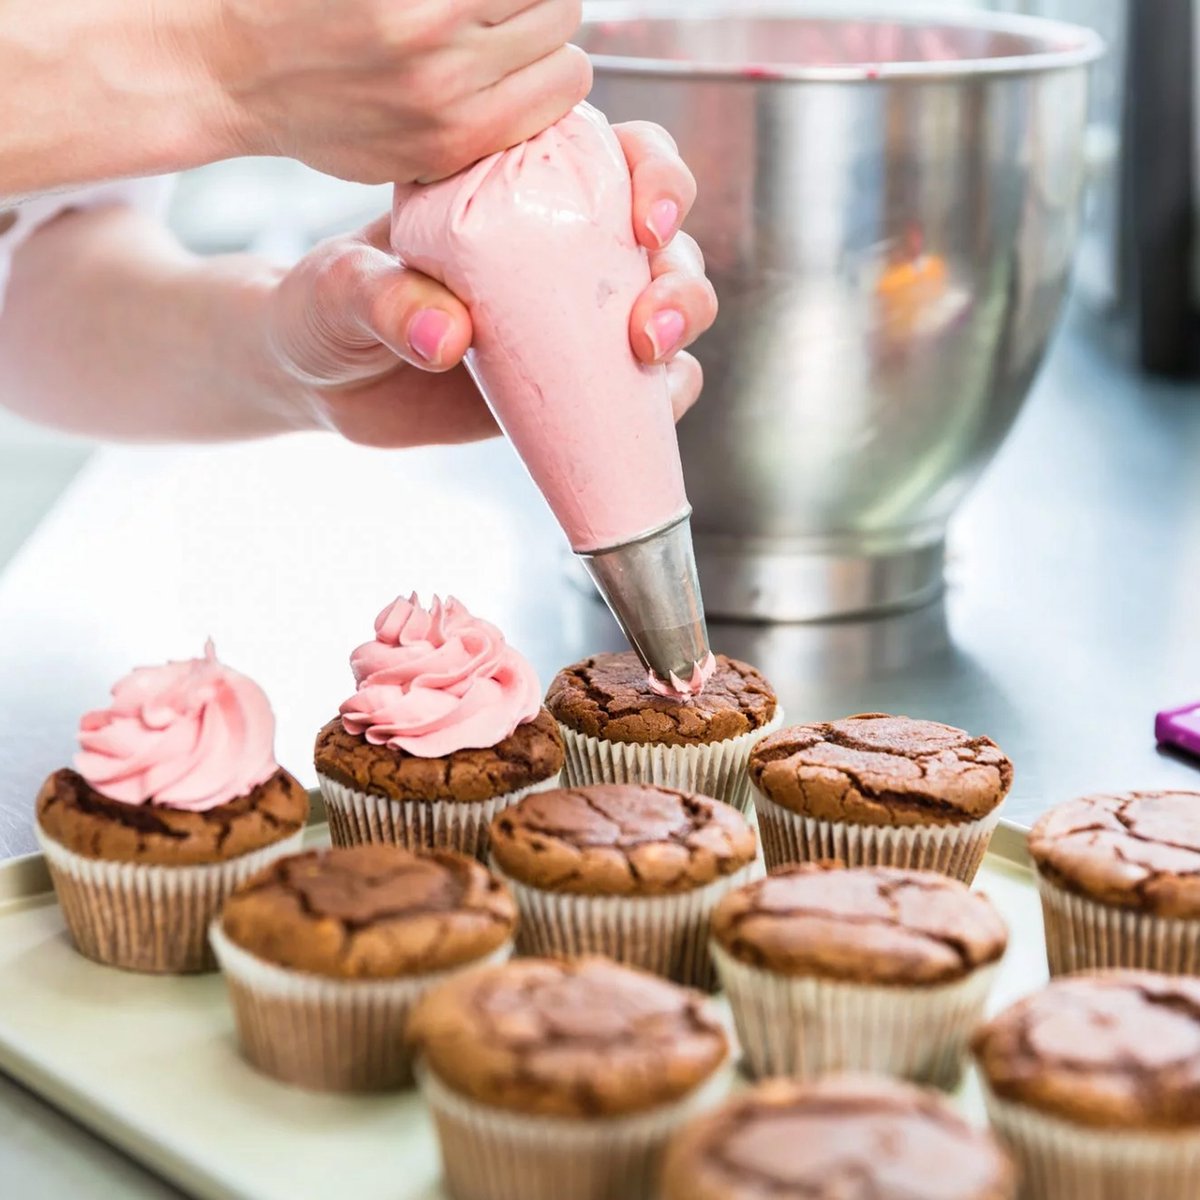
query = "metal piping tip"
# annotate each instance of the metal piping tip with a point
(653, 590)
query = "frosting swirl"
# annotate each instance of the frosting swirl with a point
(190, 735)
(438, 680)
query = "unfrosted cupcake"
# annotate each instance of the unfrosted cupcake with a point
(617, 728)
(1119, 878)
(866, 969)
(326, 953)
(879, 790)
(841, 1138)
(549, 1080)
(626, 870)
(1094, 1082)
(174, 799)
(445, 730)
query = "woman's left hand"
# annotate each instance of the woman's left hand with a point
(348, 324)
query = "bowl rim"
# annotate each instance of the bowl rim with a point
(1066, 45)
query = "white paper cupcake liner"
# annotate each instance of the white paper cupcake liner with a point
(147, 917)
(356, 817)
(333, 1035)
(1084, 935)
(955, 850)
(1060, 1160)
(490, 1154)
(664, 934)
(806, 1027)
(717, 769)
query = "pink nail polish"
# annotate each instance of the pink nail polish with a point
(665, 331)
(663, 219)
(427, 331)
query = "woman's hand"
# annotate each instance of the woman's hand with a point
(349, 327)
(393, 90)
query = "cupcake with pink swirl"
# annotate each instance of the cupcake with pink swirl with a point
(445, 729)
(175, 797)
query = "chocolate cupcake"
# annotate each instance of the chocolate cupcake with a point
(1095, 1084)
(619, 729)
(326, 953)
(838, 1138)
(174, 799)
(626, 870)
(1119, 878)
(866, 969)
(445, 730)
(550, 1079)
(879, 790)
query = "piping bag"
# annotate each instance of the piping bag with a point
(538, 242)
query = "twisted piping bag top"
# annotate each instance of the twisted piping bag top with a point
(538, 242)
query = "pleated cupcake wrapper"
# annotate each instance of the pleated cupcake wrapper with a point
(717, 769)
(491, 1154)
(955, 850)
(1061, 1160)
(664, 934)
(148, 917)
(356, 817)
(805, 1027)
(1083, 935)
(333, 1035)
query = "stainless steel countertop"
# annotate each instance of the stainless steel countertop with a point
(1070, 618)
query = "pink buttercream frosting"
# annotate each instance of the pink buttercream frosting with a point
(438, 680)
(538, 242)
(684, 689)
(189, 735)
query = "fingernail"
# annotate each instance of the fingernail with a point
(427, 331)
(665, 331)
(663, 220)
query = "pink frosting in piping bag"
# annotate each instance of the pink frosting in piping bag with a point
(190, 735)
(438, 680)
(538, 242)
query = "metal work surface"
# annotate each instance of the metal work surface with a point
(1070, 618)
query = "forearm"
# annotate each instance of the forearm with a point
(111, 329)
(94, 90)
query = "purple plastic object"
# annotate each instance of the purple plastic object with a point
(1180, 728)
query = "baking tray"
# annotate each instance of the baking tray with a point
(150, 1063)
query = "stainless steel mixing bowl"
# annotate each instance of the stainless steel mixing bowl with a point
(888, 209)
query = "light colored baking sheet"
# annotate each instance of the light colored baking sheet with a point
(150, 1063)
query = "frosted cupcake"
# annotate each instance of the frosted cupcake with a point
(174, 799)
(445, 730)
(619, 728)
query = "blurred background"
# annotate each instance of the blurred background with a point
(280, 208)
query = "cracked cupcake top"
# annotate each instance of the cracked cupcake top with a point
(838, 1137)
(371, 912)
(74, 814)
(578, 1038)
(1139, 850)
(620, 840)
(877, 925)
(874, 769)
(1114, 1050)
(609, 697)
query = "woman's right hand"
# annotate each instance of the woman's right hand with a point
(392, 90)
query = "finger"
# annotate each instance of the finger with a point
(685, 378)
(664, 189)
(516, 108)
(677, 307)
(413, 316)
(406, 408)
(525, 38)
